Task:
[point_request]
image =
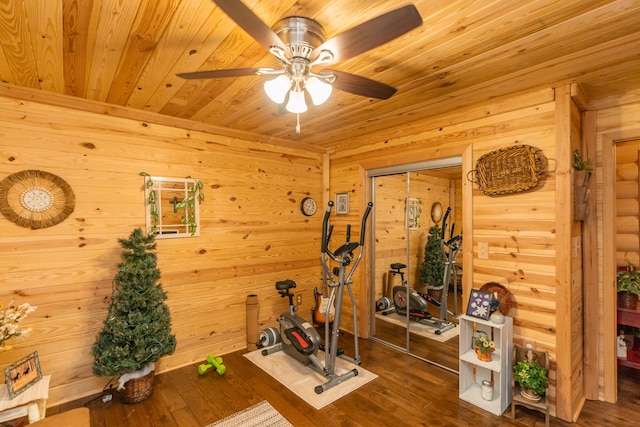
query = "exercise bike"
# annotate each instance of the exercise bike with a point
(298, 338)
(407, 301)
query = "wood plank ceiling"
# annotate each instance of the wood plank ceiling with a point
(127, 53)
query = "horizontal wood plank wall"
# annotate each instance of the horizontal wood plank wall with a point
(613, 125)
(252, 234)
(519, 228)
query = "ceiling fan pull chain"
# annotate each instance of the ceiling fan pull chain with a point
(298, 123)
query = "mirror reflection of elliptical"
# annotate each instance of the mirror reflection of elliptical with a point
(399, 254)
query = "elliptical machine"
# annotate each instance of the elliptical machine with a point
(416, 303)
(299, 339)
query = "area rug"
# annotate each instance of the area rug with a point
(302, 379)
(421, 329)
(259, 415)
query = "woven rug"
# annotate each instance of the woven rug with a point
(302, 379)
(421, 329)
(259, 415)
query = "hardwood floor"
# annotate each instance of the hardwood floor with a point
(408, 392)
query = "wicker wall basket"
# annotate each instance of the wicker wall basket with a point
(137, 389)
(510, 170)
(501, 293)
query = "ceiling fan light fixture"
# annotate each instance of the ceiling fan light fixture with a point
(278, 88)
(296, 102)
(319, 90)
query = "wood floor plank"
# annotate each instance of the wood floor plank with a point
(408, 392)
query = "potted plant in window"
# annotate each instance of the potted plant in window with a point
(432, 272)
(628, 287)
(532, 379)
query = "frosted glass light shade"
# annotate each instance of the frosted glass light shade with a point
(296, 102)
(319, 90)
(277, 88)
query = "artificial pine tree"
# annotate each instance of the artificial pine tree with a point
(432, 272)
(137, 330)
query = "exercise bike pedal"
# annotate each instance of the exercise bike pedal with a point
(340, 351)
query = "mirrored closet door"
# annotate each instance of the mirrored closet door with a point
(415, 307)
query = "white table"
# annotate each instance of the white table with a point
(32, 402)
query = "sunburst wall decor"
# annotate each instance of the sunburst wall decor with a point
(36, 199)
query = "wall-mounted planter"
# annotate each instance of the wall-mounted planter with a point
(581, 194)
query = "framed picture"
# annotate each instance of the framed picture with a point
(414, 209)
(23, 374)
(342, 203)
(479, 304)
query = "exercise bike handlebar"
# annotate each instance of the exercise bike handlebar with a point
(363, 226)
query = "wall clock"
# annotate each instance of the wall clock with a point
(308, 206)
(36, 199)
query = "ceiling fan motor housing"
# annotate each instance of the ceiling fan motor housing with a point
(301, 35)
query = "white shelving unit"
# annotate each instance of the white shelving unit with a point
(473, 371)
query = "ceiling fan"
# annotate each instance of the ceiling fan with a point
(298, 44)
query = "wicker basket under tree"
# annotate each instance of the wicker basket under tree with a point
(137, 331)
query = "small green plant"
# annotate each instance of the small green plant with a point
(628, 280)
(579, 164)
(532, 376)
(194, 192)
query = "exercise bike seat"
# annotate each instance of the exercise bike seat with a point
(285, 284)
(398, 266)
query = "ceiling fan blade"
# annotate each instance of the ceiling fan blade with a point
(371, 34)
(249, 22)
(359, 85)
(215, 74)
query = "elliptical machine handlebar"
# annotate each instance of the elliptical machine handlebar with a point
(325, 226)
(341, 254)
(363, 226)
(452, 238)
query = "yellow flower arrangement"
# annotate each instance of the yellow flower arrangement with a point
(9, 322)
(484, 344)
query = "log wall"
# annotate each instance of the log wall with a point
(612, 127)
(627, 203)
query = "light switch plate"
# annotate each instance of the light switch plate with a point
(483, 250)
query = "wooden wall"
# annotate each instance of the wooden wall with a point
(252, 233)
(627, 203)
(520, 229)
(612, 126)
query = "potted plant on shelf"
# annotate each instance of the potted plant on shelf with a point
(483, 347)
(432, 272)
(137, 330)
(628, 287)
(532, 378)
